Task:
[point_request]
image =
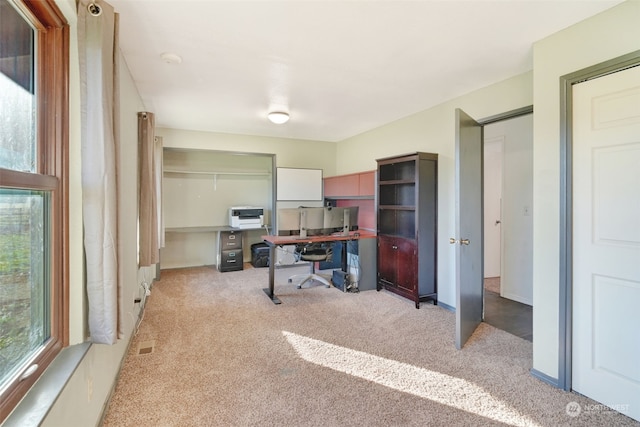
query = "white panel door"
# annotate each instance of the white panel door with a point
(606, 240)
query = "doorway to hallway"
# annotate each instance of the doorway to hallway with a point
(507, 315)
(469, 230)
(508, 224)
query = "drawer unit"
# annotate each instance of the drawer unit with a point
(230, 240)
(231, 260)
(230, 254)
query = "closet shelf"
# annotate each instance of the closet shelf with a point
(191, 172)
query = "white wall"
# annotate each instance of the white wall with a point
(517, 199)
(433, 131)
(492, 165)
(608, 35)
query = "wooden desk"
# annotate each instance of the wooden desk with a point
(274, 241)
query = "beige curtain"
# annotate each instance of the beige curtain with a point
(148, 190)
(98, 54)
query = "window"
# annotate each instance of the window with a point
(33, 193)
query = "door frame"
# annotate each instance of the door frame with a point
(483, 122)
(512, 114)
(506, 115)
(567, 81)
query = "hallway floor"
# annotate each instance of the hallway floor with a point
(508, 315)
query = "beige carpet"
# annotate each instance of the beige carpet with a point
(213, 350)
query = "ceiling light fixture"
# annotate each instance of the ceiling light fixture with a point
(278, 117)
(171, 58)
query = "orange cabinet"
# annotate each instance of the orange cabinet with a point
(355, 189)
(360, 184)
(367, 184)
(341, 186)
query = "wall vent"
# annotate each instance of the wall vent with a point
(146, 347)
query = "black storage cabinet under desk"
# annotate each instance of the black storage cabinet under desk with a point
(230, 247)
(260, 255)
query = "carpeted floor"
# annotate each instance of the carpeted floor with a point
(213, 350)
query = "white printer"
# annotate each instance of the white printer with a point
(246, 217)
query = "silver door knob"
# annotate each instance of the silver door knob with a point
(464, 241)
(452, 241)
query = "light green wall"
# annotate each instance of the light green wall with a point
(608, 35)
(296, 153)
(433, 131)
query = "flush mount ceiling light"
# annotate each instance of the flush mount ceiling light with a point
(171, 58)
(278, 117)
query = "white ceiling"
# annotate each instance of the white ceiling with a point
(339, 68)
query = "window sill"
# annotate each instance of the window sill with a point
(35, 406)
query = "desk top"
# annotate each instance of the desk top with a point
(292, 240)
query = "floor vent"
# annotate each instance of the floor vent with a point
(146, 347)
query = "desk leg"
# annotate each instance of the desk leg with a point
(272, 267)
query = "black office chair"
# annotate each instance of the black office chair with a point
(312, 252)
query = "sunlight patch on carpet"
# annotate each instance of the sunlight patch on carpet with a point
(441, 388)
